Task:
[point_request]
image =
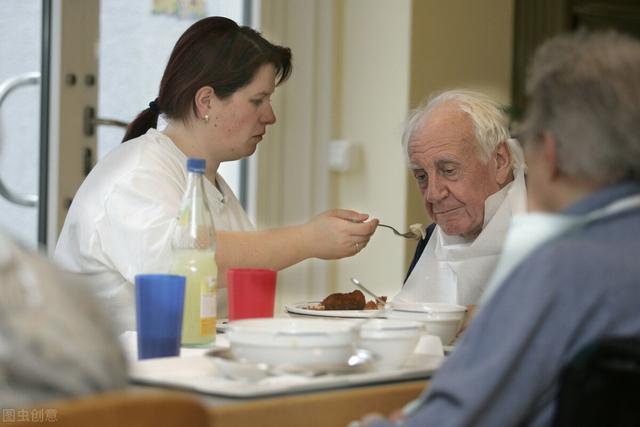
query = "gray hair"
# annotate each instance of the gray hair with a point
(489, 122)
(584, 90)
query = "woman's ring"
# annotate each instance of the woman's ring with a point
(357, 247)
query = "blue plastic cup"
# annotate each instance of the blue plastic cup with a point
(159, 308)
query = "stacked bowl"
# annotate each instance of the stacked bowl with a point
(440, 319)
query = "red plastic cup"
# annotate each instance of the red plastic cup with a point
(251, 292)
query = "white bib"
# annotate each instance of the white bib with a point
(456, 271)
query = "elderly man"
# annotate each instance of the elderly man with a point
(471, 176)
(570, 272)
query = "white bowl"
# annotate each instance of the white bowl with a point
(440, 319)
(393, 341)
(282, 341)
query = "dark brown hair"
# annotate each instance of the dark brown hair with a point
(214, 52)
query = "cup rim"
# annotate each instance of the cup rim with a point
(289, 326)
(252, 270)
(157, 276)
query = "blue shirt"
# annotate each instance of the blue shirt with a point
(575, 289)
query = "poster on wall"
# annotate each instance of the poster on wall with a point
(192, 9)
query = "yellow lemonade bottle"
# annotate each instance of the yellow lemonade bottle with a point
(194, 246)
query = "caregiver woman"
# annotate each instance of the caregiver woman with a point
(216, 97)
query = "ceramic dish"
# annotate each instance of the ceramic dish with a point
(292, 341)
(240, 369)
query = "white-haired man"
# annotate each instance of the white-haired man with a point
(570, 272)
(471, 177)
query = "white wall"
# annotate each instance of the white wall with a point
(290, 179)
(374, 97)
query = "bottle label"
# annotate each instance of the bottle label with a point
(208, 306)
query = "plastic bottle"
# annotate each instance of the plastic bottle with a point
(194, 246)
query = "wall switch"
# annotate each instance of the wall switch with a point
(343, 155)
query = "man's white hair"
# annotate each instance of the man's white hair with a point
(490, 124)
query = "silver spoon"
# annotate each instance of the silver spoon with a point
(364, 288)
(387, 305)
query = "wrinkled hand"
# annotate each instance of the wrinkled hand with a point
(370, 419)
(339, 233)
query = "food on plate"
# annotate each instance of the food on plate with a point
(420, 230)
(346, 301)
(374, 305)
(350, 301)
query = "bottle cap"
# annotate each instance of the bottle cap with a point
(196, 165)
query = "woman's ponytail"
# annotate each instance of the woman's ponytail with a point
(146, 120)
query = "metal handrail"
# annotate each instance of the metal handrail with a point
(6, 87)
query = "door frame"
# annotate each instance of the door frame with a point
(71, 30)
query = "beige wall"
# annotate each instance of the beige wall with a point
(458, 43)
(291, 179)
(360, 65)
(373, 100)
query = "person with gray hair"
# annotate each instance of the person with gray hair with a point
(569, 272)
(55, 340)
(471, 177)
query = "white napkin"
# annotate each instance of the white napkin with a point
(456, 271)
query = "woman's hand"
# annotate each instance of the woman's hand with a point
(338, 233)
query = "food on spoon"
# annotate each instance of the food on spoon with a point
(420, 230)
(348, 301)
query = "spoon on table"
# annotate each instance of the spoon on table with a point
(387, 305)
(364, 288)
(379, 313)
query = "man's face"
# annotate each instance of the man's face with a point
(452, 178)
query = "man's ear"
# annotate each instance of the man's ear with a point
(204, 98)
(550, 155)
(504, 169)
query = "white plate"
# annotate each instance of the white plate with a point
(232, 368)
(300, 308)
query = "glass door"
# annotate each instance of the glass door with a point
(136, 38)
(72, 73)
(20, 67)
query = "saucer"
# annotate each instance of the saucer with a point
(239, 369)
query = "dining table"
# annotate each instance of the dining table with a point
(331, 407)
(331, 400)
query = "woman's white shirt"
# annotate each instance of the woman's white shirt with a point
(122, 219)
